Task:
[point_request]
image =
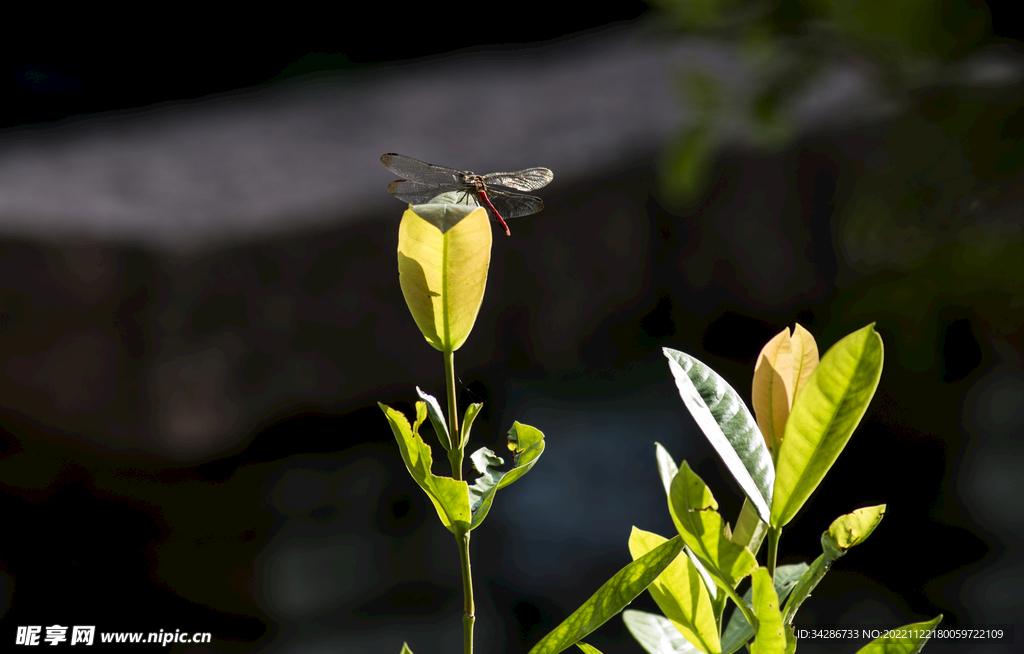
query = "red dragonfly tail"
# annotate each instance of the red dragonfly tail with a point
(483, 196)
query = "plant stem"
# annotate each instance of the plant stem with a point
(741, 605)
(468, 608)
(774, 533)
(455, 454)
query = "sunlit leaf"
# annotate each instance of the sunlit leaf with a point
(771, 636)
(612, 597)
(467, 422)
(449, 497)
(738, 631)
(750, 530)
(681, 595)
(773, 388)
(728, 425)
(656, 634)
(486, 462)
(852, 529)
(695, 514)
(845, 532)
(667, 469)
(804, 350)
(527, 444)
(436, 418)
(443, 273)
(823, 418)
(915, 635)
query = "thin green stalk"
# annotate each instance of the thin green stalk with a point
(774, 533)
(455, 454)
(741, 605)
(468, 608)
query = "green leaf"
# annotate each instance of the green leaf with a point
(681, 595)
(667, 469)
(727, 423)
(750, 530)
(807, 582)
(443, 270)
(527, 444)
(436, 418)
(823, 418)
(481, 493)
(771, 636)
(772, 389)
(449, 497)
(486, 462)
(405, 649)
(918, 634)
(612, 597)
(739, 631)
(852, 529)
(656, 634)
(467, 422)
(588, 649)
(844, 532)
(695, 514)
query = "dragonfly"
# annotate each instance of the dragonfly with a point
(423, 182)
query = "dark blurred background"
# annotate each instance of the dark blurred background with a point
(200, 309)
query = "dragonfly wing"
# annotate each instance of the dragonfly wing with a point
(514, 205)
(420, 171)
(415, 192)
(530, 179)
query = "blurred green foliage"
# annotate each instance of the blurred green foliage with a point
(933, 218)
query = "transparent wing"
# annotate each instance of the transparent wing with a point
(530, 179)
(514, 205)
(415, 192)
(419, 171)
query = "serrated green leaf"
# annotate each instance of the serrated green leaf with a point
(695, 514)
(919, 633)
(436, 418)
(405, 649)
(771, 635)
(588, 649)
(612, 597)
(449, 497)
(467, 422)
(823, 418)
(443, 269)
(728, 425)
(738, 631)
(681, 595)
(656, 634)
